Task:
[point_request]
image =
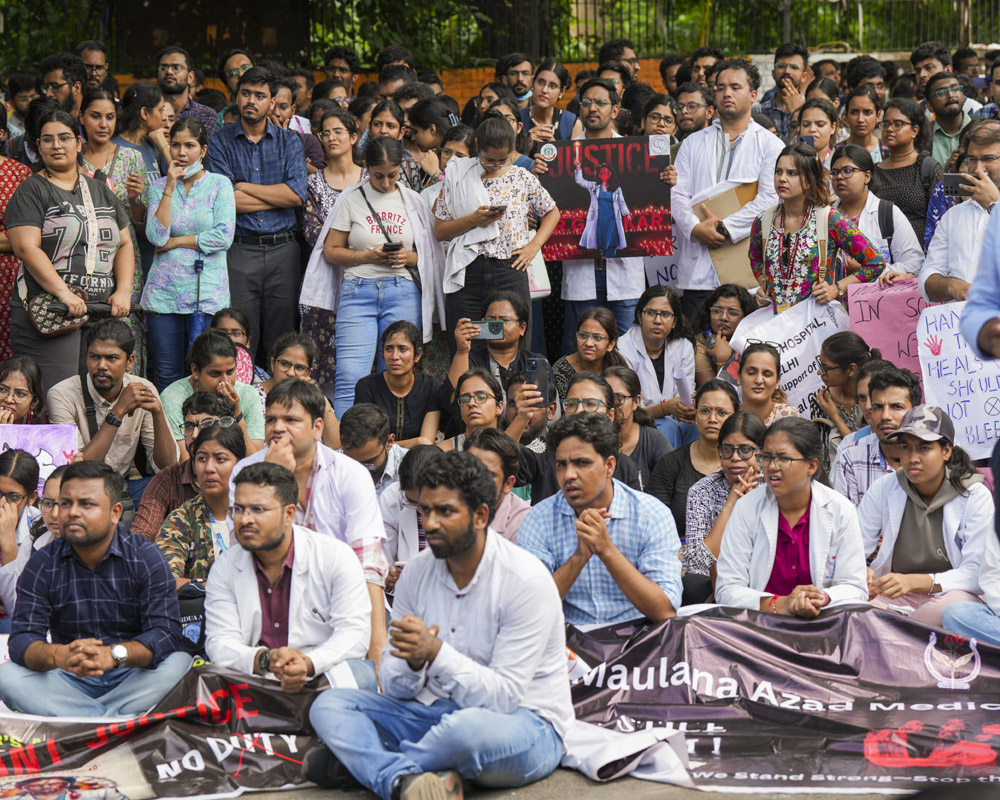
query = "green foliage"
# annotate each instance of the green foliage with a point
(34, 29)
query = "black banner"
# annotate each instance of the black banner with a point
(855, 700)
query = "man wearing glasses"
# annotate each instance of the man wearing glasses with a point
(176, 79)
(62, 77)
(342, 63)
(95, 58)
(695, 109)
(790, 73)
(945, 98)
(257, 622)
(953, 254)
(611, 550)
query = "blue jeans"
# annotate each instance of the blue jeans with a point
(624, 310)
(367, 307)
(972, 620)
(120, 692)
(379, 739)
(170, 336)
(679, 433)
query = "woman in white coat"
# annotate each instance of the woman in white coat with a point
(855, 182)
(792, 546)
(933, 515)
(659, 349)
(18, 491)
(604, 230)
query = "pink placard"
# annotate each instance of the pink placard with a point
(886, 318)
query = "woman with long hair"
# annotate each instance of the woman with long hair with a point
(792, 546)
(21, 396)
(480, 404)
(863, 116)
(12, 174)
(140, 126)
(18, 492)
(720, 315)
(510, 112)
(836, 405)
(596, 338)
(543, 120)
(604, 230)
(236, 325)
(640, 440)
(818, 118)
(788, 241)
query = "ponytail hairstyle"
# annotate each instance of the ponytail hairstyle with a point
(860, 158)
(522, 140)
(350, 123)
(192, 126)
(495, 133)
(805, 437)
(960, 469)
(433, 111)
(139, 95)
(605, 317)
(846, 347)
(914, 113)
(210, 345)
(778, 396)
(628, 377)
(561, 73)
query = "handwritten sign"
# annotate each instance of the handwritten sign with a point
(799, 334)
(967, 388)
(51, 445)
(886, 318)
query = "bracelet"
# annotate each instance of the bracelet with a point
(168, 194)
(354, 257)
(772, 604)
(59, 299)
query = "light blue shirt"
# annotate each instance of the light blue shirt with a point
(983, 303)
(640, 527)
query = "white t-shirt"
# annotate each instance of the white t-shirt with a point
(363, 232)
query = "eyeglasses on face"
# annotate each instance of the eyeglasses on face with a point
(895, 125)
(706, 412)
(825, 369)
(781, 462)
(504, 320)
(719, 311)
(944, 91)
(172, 67)
(847, 172)
(586, 336)
(690, 107)
(972, 161)
(235, 72)
(656, 119)
(288, 366)
(208, 422)
(479, 397)
(600, 102)
(743, 451)
(47, 505)
(97, 68)
(20, 395)
(13, 497)
(573, 404)
(237, 512)
(653, 313)
(324, 135)
(621, 398)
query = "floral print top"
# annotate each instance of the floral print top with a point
(788, 283)
(320, 199)
(521, 192)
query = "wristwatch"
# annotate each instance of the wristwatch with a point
(264, 660)
(111, 419)
(120, 654)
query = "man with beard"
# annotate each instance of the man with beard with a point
(945, 98)
(336, 494)
(474, 677)
(791, 76)
(953, 254)
(611, 549)
(288, 603)
(517, 74)
(695, 109)
(733, 148)
(114, 411)
(267, 166)
(176, 81)
(106, 600)
(95, 59)
(500, 455)
(893, 392)
(63, 77)
(702, 59)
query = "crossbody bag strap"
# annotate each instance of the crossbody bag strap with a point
(378, 219)
(88, 405)
(92, 230)
(822, 216)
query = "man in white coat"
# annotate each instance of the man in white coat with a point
(287, 603)
(733, 148)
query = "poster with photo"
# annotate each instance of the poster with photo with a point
(611, 200)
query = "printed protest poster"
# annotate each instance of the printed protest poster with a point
(51, 445)
(798, 333)
(886, 318)
(967, 388)
(611, 200)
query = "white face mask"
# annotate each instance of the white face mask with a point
(193, 169)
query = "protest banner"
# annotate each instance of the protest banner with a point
(51, 445)
(967, 388)
(886, 318)
(617, 195)
(798, 333)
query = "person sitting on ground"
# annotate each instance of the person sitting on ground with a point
(711, 500)
(480, 404)
(114, 412)
(596, 338)
(793, 545)
(760, 379)
(367, 440)
(236, 325)
(21, 395)
(721, 313)
(213, 369)
(288, 603)
(194, 535)
(893, 393)
(501, 457)
(489, 702)
(336, 494)
(18, 492)
(612, 550)
(929, 522)
(124, 657)
(980, 620)
(172, 487)
(640, 439)
(868, 369)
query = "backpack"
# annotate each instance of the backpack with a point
(885, 222)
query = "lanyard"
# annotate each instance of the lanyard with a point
(219, 544)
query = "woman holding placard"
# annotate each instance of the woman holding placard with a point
(792, 245)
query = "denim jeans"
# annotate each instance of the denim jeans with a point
(379, 739)
(972, 620)
(624, 310)
(367, 307)
(170, 337)
(119, 692)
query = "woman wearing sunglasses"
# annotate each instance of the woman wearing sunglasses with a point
(711, 500)
(792, 546)
(18, 492)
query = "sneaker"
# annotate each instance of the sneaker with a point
(322, 768)
(431, 786)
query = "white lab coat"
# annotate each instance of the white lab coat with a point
(401, 536)
(836, 555)
(329, 613)
(678, 354)
(11, 571)
(697, 165)
(588, 239)
(968, 522)
(907, 252)
(957, 243)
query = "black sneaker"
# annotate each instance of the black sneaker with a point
(430, 786)
(322, 768)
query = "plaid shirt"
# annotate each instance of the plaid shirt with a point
(639, 528)
(989, 111)
(781, 117)
(169, 489)
(277, 158)
(203, 114)
(858, 467)
(704, 504)
(130, 596)
(186, 540)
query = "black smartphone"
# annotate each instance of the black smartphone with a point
(489, 328)
(955, 185)
(498, 209)
(392, 247)
(809, 140)
(536, 371)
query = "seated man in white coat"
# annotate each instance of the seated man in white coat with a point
(288, 603)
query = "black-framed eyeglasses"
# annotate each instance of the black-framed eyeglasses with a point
(847, 172)
(653, 313)
(824, 369)
(656, 119)
(47, 504)
(621, 398)
(290, 366)
(573, 404)
(775, 345)
(208, 422)
(895, 124)
(53, 87)
(97, 68)
(13, 497)
(479, 397)
(742, 451)
(781, 462)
